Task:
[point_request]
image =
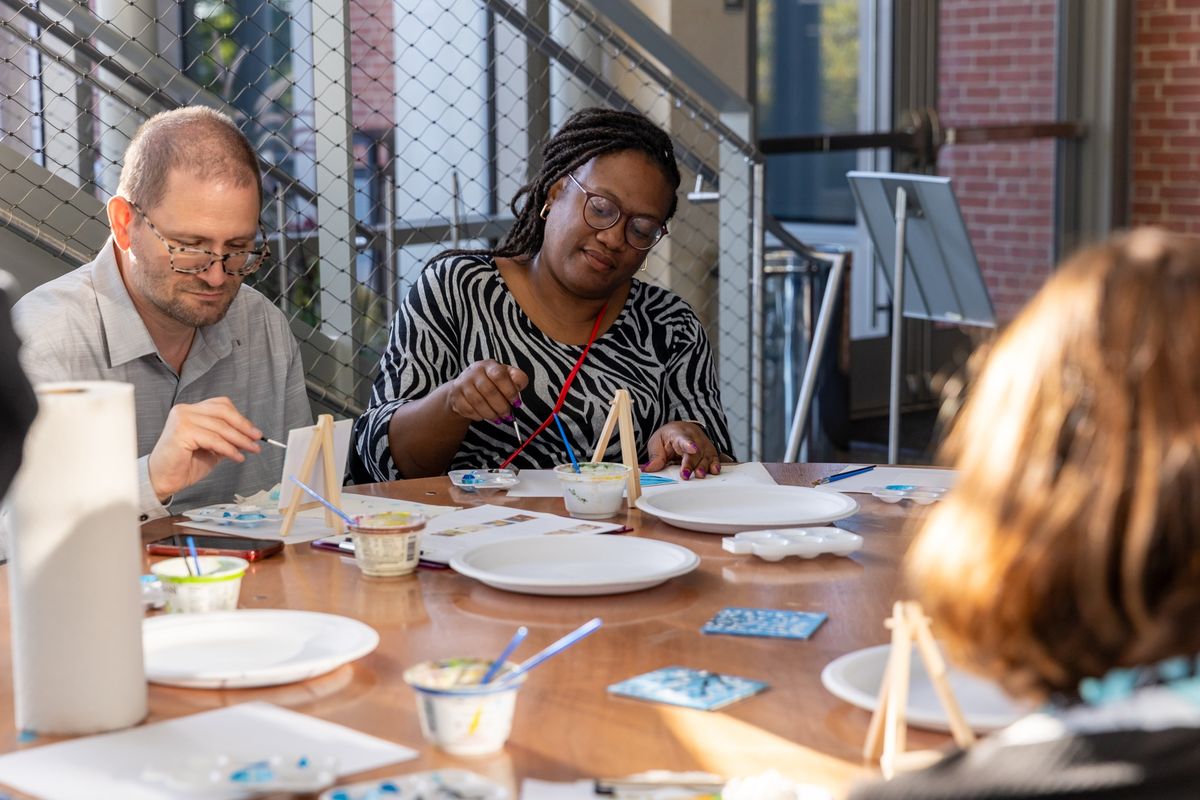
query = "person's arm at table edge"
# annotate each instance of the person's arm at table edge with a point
(692, 389)
(423, 435)
(420, 434)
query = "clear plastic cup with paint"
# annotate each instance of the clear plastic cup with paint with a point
(387, 545)
(197, 585)
(459, 714)
(596, 491)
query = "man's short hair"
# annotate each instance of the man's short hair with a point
(202, 142)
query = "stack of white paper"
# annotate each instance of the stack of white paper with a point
(112, 764)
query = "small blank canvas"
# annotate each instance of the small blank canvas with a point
(297, 446)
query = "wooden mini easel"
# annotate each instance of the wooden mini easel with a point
(622, 412)
(908, 624)
(321, 447)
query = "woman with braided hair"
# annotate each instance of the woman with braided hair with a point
(489, 344)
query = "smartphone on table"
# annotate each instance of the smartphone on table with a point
(240, 546)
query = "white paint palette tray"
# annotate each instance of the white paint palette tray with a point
(775, 545)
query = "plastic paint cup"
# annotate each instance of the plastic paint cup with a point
(216, 588)
(387, 545)
(458, 714)
(596, 491)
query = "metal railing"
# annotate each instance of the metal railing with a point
(386, 137)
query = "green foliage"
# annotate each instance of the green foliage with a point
(839, 65)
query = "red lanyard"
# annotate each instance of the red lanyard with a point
(562, 395)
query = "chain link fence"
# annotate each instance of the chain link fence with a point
(388, 130)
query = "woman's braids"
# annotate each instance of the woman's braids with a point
(588, 133)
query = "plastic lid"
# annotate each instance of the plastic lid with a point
(389, 522)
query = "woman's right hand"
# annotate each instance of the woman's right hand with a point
(486, 390)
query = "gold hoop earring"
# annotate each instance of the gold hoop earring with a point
(545, 212)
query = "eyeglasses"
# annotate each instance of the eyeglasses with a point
(601, 213)
(194, 260)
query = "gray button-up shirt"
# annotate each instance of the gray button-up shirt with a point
(84, 326)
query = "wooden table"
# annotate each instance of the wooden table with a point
(567, 726)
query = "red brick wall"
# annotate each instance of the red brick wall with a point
(1166, 115)
(371, 74)
(997, 66)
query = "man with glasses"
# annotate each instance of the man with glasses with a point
(214, 364)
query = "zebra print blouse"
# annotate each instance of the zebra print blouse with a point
(460, 311)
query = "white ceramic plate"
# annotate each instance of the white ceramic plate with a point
(730, 508)
(576, 564)
(855, 678)
(250, 647)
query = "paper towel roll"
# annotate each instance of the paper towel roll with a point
(75, 558)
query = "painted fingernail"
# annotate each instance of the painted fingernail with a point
(716, 468)
(498, 421)
(643, 466)
(517, 403)
(699, 472)
(685, 473)
(509, 418)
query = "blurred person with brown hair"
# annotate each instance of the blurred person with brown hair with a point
(163, 307)
(1066, 563)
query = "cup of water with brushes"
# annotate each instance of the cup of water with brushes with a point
(466, 705)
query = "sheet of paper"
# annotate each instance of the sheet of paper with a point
(298, 442)
(892, 476)
(112, 764)
(451, 534)
(543, 483)
(750, 473)
(310, 523)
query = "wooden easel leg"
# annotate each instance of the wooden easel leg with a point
(607, 431)
(620, 415)
(935, 666)
(873, 746)
(629, 456)
(333, 483)
(895, 724)
(910, 625)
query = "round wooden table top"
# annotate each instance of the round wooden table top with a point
(567, 726)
